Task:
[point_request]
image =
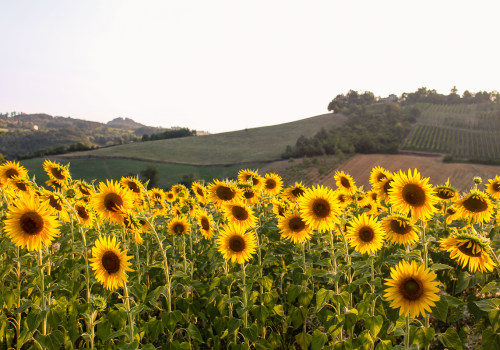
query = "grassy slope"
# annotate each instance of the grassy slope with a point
(262, 144)
(205, 157)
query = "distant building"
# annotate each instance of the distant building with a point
(35, 127)
(390, 98)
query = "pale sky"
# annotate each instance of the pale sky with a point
(229, 65)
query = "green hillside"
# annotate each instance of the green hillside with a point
(464, 131)
(201, 157)
(262, 144)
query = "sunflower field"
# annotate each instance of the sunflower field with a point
(248, 264)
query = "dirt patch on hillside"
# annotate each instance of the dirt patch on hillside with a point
(320, 170)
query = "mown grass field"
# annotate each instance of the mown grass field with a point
(262, 144)
(466, 132)
(101, 169)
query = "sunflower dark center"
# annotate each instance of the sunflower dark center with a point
(297, 192)
(133, 187)
(225, 193)
(366, 234)
(57, 173)
(255, 181)
(373, 195)
(475, 204)
(82, 212)
(411, 289)
(270, 184)
(111, 262)
(380, 177)
(11, 173)
(414, 195)
(21, 186)
(399, 228)
(321, 208)
(387, 186)
(248, 194)
(239, 213)
(205, 224)
(450, 211)
(84, 190)
(199, 191)
(345, 182)
(157, 196)
(445, 193)
(464, 248)
(237, 244)
(296, 224)
(31, 223)
(54, 203)
(112, 201)
(178, 228)
(496, 186)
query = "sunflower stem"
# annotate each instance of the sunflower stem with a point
(165, 266)
(184, 253)
(138, 263)
(245, 302)
(372, 286)
(129, 313)
(407, 333)
(18, 316)
(42, 292)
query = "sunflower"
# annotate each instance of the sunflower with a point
(180, 190)
(342, 198)
(21, 185)
(111, 200)
(56, 171)
(378, 174)
(239, 214)
(29, 224)
(399, 230)
(236, 245)
(273, 184)
(446, 193)
(110, 263)
(205, 224)
(413, 196)
(170, 196)
(294, 228)
(84, 189)
(294, 192)
(319, 208)
(200, 192)
(9, 170)
(493, 188)
(470, 250)
(412, 288)
(132, 224)
(249, 196)
(157, 196)
(475, 206)
(383, 187)
(134, 185)
(251, 177)
(365, 234)
(344, 182)
(453, 214)
(221, 192)
(179, 225)
(280, 206)
(84, 215)
(55, 202)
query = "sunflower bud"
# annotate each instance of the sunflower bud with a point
(477, 180)
(70, 193)
(98, 302)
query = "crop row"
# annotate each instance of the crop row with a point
(460, 143)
